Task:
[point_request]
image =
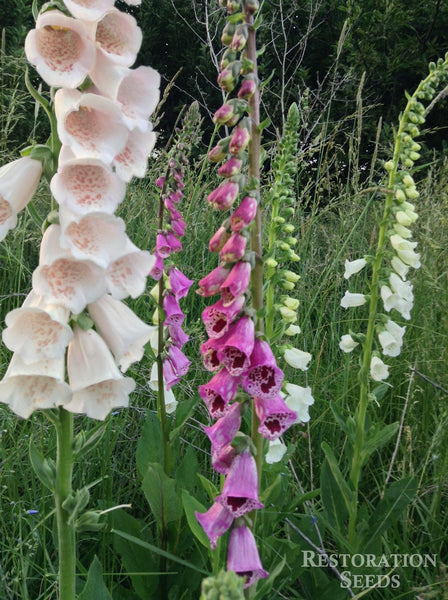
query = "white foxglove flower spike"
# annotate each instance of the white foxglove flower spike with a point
(349, 300)
(299, 399)
(378, 370)
(298, 359)
(354, 266)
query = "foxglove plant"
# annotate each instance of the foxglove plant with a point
(394, 257)
(101, 137)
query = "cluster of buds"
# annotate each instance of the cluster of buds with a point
(233, 351)
(87, 262)
(395, 290)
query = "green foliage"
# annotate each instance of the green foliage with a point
(95, 587)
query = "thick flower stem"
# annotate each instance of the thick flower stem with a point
(63, 490)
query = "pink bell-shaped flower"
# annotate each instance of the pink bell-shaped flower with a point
(85, 185)
(173, 312)
(211, 283)
(18, 182)
(219, 392)
(236, 282)
(132, 160)
(240, 138)
(244, 214)
(118, 36)
(218, 239)
(231, 167)
(209, 353)
(96, 383)
(237, 347)
(223, 458)
(37, 330)
(60, 49)
(274, 415)
(243, 557)
(62, 279)
(177, 335)
(240, 491)
(90, 125)
(234, 249)
(179, 283)
(224, 195)
(124, 333)
(156, 271)
(89, 11)
(263, 378)
(215, 522)
(37, 385)
(224, 430)
(218, 318)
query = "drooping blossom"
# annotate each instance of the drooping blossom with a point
(391, 338)
(378, 370)
(126, 276)
(262, 378)
(298, 359)
(299, 399)
(89, 11)
(118, 37)
(354, 266)
(215, 522)
(240, 491)
(351, 299)
(224, 430)
(211, 283)
(132, 160)
(219, 392)
(347, 343)
(274, 415)
(218, 318)
(276, 451)
(236, 348)
(243, 557)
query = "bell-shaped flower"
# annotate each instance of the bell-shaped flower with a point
(62, 279)
(347, 343)
(223, 458)
(98, 237)
(211, 283)
(37, 330)
(224, 430)
(399, 267)
(90, 125)
(276, 451)
(175, 366)
(126, 276)
(215, 522)
(237, 346)
(234, 249)
(378, 370)
(247, 87)
(405, 251)
(298, 359)
(89, 11)
(96, 383)
(209, 353)
(240, 137)
(404, 289)
(85, 185)
(156, 271)
(37, 385)
(263, 378)
(392, 300)
(231, 167)
(124, 333)
(274, 415)
(132, 160)
(224, 195)
(135, 91)
(240, 490)
(236, 282)
(219, 392)
(61, 50)
(243, 557)
(218, 239)
(354, 266)
(173, 312)
(118, 37)
(391, 338)
(350, 300)
(406, 217)
(218, 318)
(178, 336)
(299, 399)
(179, 283)
(244, 214)
(18, 182)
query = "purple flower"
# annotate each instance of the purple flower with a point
(178, 335)
(157, 270)
(243, 557)
(170, 375)
(230, 167)
(223, 114)
(224, 430)
(239, 38)
(236, 282)
(173, 312)
(224, 195)
(209, 353)
(162, 246)
(274, 415)
(244, 214)
(248, 87)
(263, 378)
(223, 458)
(160, 182)
(174, 244)
(234, 248)
(240, 491)
(237, 346)
(215, 522)
(179, 361)
(219, 392)
(240, 137)
(218, 239)
(217, 153)
(218, 318)
(178, 227)
(211, 283)
(170, 206)
(179, 283)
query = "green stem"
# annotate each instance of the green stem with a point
(63, 490)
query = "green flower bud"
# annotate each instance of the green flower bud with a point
(291, 303)
(288, 315)
(293, 257)
(288, 228)
(291, 276)
(271, 263)
(400, 196)
(411, 193)
(224, 586)
(292, 241)
(408, 181)
(389, 165)
(288, 285)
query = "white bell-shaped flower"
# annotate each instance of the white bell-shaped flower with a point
(299, 399)
(118, 36)
(276, 451)
(392, 300)
(132, 161)
(127, 275)
(18, 182)
(37, 330)
(399, 267)
(298, 359)
(347, 343)
(121, 329)
(391, 338)
(90, 125)
(378, 370)
(85, 185)
(37, 385)
(170, 399)
(61, 50)
(354, 266)
(349, 300)
(62, 279)
(93, 10)
(97, 385)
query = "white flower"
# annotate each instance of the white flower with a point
(121, 329)
(399, 267)
(293, 330)
(406, 217)
(347, 343)
(118, 36)
(132, 160)
(85, 185)
(18, 182)
(89, 11)
(276, 451)
(60, 49)
(391, 338)
(96, 383)
(90, 124)
(29, 387)
(391, 300)
(405, 251)
(350, 300)
(378, 370)
(299, 399)
(403, 288)
(126, 276)
(403, 231)
(37, 330)
(354, 266)
(297, 358)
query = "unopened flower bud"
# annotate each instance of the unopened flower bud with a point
(287, 285)
(224, 195)
(233, 6)
(219, 152)
(240, 37)
(252, 6)
(290, 276)
(288, 315)
(219, 239)
(223, 114)
(400, 196)
(227, 33)
(240, 138)
(291, 303)
(271, 263)
(231, 167)
(248, 87)
(244, 214)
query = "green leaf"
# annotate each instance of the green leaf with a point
(84, 442)
(264, 586)
(378, 438)
(346, 492)
(332, 499)
(209, 487)
(235, 18)
(190, 506)
(264, 124)
(44, 468)
(183, 412)
(150, 443)
(94, 587)
(160, 491)
(76, 502)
